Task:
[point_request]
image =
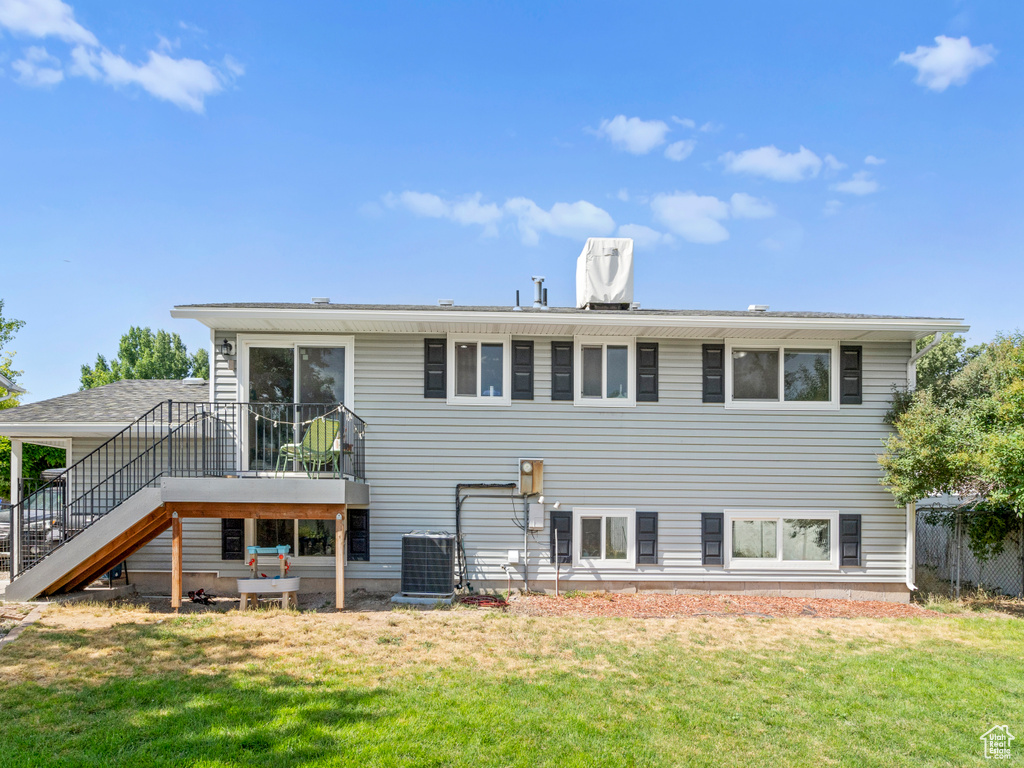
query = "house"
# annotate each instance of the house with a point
(606, 445)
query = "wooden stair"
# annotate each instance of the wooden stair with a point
(96, 550)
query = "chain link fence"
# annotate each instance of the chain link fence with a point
(946, 566)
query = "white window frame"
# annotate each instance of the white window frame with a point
(777, 563)
(279, 340)
(293, 556)
(245, 342)
(506, 369)
(629, 342)
(578, 513)
(780, 346)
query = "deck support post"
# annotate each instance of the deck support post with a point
(339, 561)
(175, 561)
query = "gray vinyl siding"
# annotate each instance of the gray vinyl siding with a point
(225, 378)
(678, 457)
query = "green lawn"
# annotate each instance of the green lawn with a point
(124, 687)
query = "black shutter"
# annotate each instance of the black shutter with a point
(849, 540)
(561, 522)
(358, 534)
(522, 370)
(232, 539)
(851, 375)
(712, 538)
(435, 368)
(714, 373)
(561, 370)
(646, 372)
(646, 537)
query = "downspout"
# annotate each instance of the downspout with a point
(915, 355)
(911, 546)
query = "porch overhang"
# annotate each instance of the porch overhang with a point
(258, 493)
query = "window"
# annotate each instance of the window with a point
(289, 380)
(605, 537)
(782, 539)
(307, 538)
(781, 375)
(482, 370)
(607, 369)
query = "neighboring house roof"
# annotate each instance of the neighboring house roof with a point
(119, 403)
(560, 321)
(10, 386)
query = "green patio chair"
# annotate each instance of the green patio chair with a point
(317, 449)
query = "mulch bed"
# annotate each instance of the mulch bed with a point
(669, 606)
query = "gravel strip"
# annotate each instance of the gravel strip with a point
(668, 606)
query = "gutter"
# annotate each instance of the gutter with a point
(214, 317)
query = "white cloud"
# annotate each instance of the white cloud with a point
(710, 127)
(684, 121)
(772, 163)
(746, 206)
(577, 220)
(234, 67)
(466, 210)
(832, 207)
(633, 134)
(38, 68)
(872, 160)
(182, 81)
(44, 18)
(860, 184)
(623, 195)
(680, 150)
(645, 237)
(693, 217)
(950, 62)
(832, 163)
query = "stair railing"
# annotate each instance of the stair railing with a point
(172, 439)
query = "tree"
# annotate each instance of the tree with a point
(35, 458)
(963, 434)
(143, 354)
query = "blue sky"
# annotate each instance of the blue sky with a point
(862, 157)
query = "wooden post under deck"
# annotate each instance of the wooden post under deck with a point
(175, 561)
(339, 561)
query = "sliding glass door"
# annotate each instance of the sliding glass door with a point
(290, 386)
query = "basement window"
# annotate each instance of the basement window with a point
(605, 537)
(782, 539)
(307, 538)
(482, 374)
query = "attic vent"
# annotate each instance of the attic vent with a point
(320, 300)
(757, 308)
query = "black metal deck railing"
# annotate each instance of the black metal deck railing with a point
(182, 439)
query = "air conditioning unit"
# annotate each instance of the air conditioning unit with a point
(428, 564)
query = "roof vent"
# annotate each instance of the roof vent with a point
(320, 300)
(446, 302)
(604, 274)
(194, 380)
(757, 308)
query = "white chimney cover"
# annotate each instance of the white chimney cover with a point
(604, 272)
